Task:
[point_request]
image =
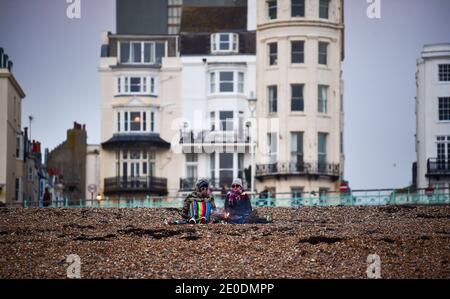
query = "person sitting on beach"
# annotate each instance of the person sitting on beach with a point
(199, 205)
(238, 206)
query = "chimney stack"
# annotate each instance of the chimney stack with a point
(5, 61)
(10, 66)
(1, 57)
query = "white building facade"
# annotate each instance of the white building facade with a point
(433, 117)
(300, 48)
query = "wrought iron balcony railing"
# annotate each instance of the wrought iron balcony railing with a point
(150, 185)
(438, 167)
(298, 168)
(214, 137)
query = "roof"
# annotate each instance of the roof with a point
(141, 140)
(213, 19)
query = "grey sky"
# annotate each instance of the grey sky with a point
(56, 59)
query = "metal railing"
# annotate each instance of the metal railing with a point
(438, 167)
(214, 137)
(133, 184)
(298, 168)
(356, 198)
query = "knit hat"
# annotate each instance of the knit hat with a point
(237, 182)
(202, 183)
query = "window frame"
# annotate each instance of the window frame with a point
(302, 52)
(216, 42)
(147, 85)
(124, 121)
(272, 99)
(321, 7)
(300, 98)
(215, 82)
(321, 53)
(274, 9)
(444, 74)
(323, 103)
(301, 4)
(444, 109)
(272, 57)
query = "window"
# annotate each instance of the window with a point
(323, 53)
(20, 147)
(272, 9)
(444, 109)
(136, 85)
(241, 82)
(226, 81)
(298, 8)
(322, 151)
(212, 166)
(297, 192)
(212, 82)
(18, 189)
(118, 121)
(224, 42)
(241, 171)
(212, 119)
(297, 102)
(298, 52)
(135, 164)
(323, 9)
(444, 72)
(273, 54)
(443, 148)
(226, 168)
(297, 148)
(226, 121)
(272, 145)
(323, 99)
(273, 99)
(136, 121)
(192, 166)
(141, 52)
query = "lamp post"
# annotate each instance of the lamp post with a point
(252, 128)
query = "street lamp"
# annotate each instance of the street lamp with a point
(252, 101)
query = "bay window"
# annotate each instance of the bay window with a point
(132, 85)
(141, 52)
(227, 82)
(136, 121)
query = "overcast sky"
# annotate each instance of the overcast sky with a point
(56, 59)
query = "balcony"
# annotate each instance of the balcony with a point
(438, 167)
(313, 169)
(188, 184)
(147, 185)
(214, 137)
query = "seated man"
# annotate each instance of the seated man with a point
(238, 207)
(198, 205)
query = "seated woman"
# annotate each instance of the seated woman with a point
(238, 206)
(198, 205)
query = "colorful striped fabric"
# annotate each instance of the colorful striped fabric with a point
(199, 209)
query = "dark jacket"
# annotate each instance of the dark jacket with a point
(239, 206)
